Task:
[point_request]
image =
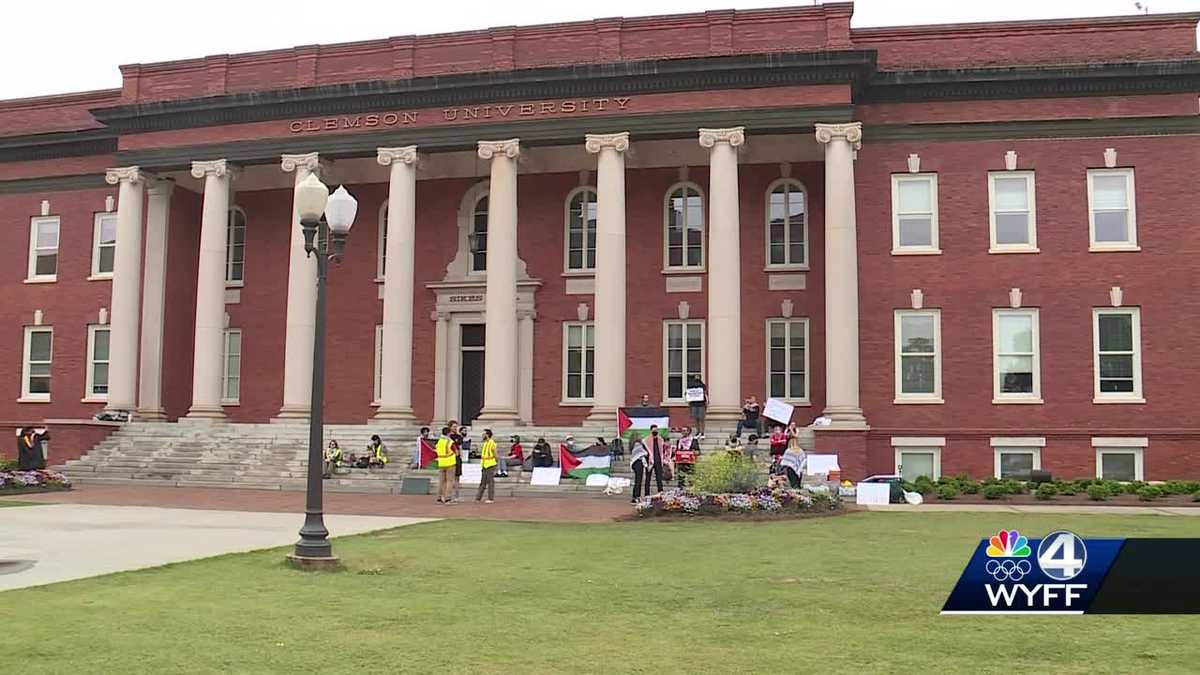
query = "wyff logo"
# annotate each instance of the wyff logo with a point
(1004, 575)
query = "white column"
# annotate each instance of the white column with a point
(525, 364)
(210, 290)
(395, 398)
(126, 287)
(301, 305)
(441, 349)
(500, 349)
(841, 276)
(154, 296)
(609, 391)
(724, 326)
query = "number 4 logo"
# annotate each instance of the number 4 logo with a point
(1062, 555)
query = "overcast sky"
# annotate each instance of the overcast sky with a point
(56, 46)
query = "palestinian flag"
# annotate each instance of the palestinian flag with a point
(426, 454)
(631, 420)
(585, 462)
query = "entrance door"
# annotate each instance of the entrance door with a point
(471, 387)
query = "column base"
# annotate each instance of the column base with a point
(206, 413)
(845, 418)
(290, 414)
(150, 415)
(507, 415)
(398, 415)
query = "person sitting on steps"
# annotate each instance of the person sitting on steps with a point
(332, 459)
(542, 455)
(516, 457)
(376, 452)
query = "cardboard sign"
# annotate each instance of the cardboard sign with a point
(778, 410)
(472, 474)
(694, 395)
(872, 494)
(545, 475)
(821, 464)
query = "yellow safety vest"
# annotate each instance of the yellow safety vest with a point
(487, 453)
(445, 453)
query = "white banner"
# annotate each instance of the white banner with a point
(546, 475)
(472, 474)
(873, 494)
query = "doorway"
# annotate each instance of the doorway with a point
(471, 385)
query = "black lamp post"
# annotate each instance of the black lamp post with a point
(326, 220)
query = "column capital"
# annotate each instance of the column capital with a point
(215, 167)
(509, 148)
(850, 132)
(388, 156)
(594, 143)
(161, 187)
(734, 136)
(124, 174)
(310, 161)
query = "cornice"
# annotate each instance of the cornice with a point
(87, 181)
(1065, 128)
(58, 144)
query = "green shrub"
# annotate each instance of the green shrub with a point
(7, 464)
(1132, 487)
(1180, 487)
(969, 487)
(724, 472)
(1149, 493)
(923, 484)
(1068, 488)
(947, 492)
(1098, 493)
(995, 491)
(1013, 487)
(1196, 496)
(1046, 491)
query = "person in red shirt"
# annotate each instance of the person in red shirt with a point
(516, 457)
(779, 441)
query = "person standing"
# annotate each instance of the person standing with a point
(637, 464)
(656, 452)
(445, 464)
(29, 450)
(684, 455)
(487, 460)
(699, 406)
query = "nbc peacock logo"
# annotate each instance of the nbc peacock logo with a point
(1007, 545)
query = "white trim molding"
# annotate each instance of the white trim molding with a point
(1015, 449)
(1131, 241)
(1139, 459)
(1120, 441)
(994, 209)
(1019, 441)
(936, 451)
(934, 397)
(932, 248)
(1034, 396)
(918, 441)
(1135, 355)
(789, 324)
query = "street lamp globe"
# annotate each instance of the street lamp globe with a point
(340, 211)
(311, 195)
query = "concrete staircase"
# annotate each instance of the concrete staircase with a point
(275, 457)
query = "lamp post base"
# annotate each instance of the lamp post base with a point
(306, 562)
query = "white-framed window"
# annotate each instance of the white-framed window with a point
(1016, 361)
(104, 245)
(478, 232)
(914, 213)
(915, 461)
(683, 357)
(787, 359)
(1017, 462)
(580, 223)
(381, 262)
(579, 360)
(43, 249)
(97, 365)
(1120, 463)
(1117, 363)
(787, 224)
(378, 390)
(231, 375)
(1112, 212)
(918, 356)
(38, 356)
(235, 246)
(1012, 212)
(683, 223)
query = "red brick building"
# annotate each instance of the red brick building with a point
(965, 245)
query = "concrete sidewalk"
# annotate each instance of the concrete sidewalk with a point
(58, 542)
(1040, 508)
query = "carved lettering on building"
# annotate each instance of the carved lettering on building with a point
(465, 298)
(460, 114)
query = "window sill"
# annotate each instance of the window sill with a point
(235, 284)
(576, 403)
(379, 280)
(1110, 248)
(226, 403)
(683, 270)
(787, 268)
(26, 399)
(797, 403)
(918, 401)
(1129, 400)
(94, 399)
(1026, 249)
(106, 276)
(1017, 401)
(579, 274)
(916, 251)
(42, 280)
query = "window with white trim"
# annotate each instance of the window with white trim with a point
(97, 366)
(787, 224)
(683, 220)
(381, 262)
(1112, 214)
(1117, 337)
(235, 246)
(683, 357)
(912, 462)
(580, 230)
(104, 244)
(1017, 462)
(1120, 464)
(1012, 211)
(914, 213)
(1015, 356)
(479, 229)
(43, 249)
(378, 390)
(38, 356)
(579, 360)
(787, 359)
(919, 355)
(231, 375)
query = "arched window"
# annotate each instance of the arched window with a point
(235, 246)
(581, 230)
(787, 224)
(381, 264)
(683, 217)
(477, 238)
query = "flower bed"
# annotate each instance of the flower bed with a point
(762, 501)
(41, 480)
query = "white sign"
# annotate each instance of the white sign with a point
(694, 394)
(873, 494)
(472, 474)
(597, 480)
(546, 475)
(778, 410)
(821, 464)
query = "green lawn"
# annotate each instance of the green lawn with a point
(855, 593)
(11, 502)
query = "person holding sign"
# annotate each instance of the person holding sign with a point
(697, 399)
